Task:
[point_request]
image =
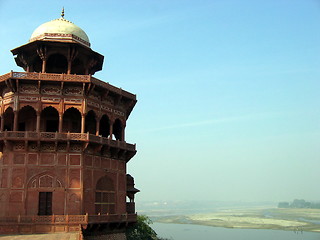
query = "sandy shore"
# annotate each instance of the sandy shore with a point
(283, 219)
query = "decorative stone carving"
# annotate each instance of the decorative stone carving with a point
(92, 103)
(50, 99)
(119, 113)
(28, 88)
(19, 147)
(75, 148)
(28, 99)
(72, 91)
(33, 147)
(51, 90)
(48, 147)
(73, 100)
(106, 108)
(46, 181)
(7, 92)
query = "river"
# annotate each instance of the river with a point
(198, 232)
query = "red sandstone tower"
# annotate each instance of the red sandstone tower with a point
(62, 140)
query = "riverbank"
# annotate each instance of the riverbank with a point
(255, 218)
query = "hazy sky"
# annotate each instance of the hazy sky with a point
(228, 90)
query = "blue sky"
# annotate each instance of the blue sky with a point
(228, 91)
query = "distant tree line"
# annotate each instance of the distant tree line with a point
(299, 203)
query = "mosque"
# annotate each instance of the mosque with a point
(62, 140)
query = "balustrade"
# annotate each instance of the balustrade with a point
(55, 136)
(72, 219)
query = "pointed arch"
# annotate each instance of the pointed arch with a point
(45, 180)
(91, 122)
(105, 198)
(49, 119)
(8, 118)
(104, 129)
(72, 120)
(117, 129)
(27, 119)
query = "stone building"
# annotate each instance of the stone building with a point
(62, 140)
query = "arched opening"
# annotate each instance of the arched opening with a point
(91, 123)
(72, 120)
(49, 120)
(57, 63)
(27, 119)
(104, 129)
(45, 187)
(105, 199)
(8, 117)
(117, 129)
(77, 67)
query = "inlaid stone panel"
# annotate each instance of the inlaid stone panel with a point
(47, 159)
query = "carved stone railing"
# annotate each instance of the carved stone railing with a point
(65, 78)
(55, 136)
(69, 219)
(46, 76)
(112, 218)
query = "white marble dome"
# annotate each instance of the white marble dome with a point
(60, 30)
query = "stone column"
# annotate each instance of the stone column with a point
(122, 133)
(38, 122)
(15, 121)
(44, 64)
(60, 122)
(98, 126)
(2, 123)
(83, 122)
(111, 130)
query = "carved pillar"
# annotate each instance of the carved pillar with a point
(60, 122)
(122, 133)
(42, 52)
(83, 122)
(15, 121)
(111, 130)
(71, 56)
(2, 123)
(44, 64)
(38, 122)
(98, 126)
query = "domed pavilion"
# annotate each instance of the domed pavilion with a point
(62, 140)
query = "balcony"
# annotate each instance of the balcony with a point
(65, 78)
(59, 223)
(55, 136)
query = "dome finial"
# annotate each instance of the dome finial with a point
(62, 12)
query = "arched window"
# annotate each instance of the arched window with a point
(57, 63)
(105, 199)
(27, 119)
(91, 123)
(72, 120)
(8, 117)
(104, 130)
(117, 129)
(49, 120)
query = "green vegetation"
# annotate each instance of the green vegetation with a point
(142, 230)
(299, 203)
